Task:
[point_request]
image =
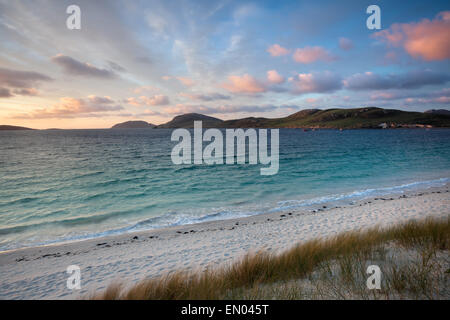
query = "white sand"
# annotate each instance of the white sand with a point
(40, 273)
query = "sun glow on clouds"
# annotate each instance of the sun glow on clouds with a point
(227, 58)
(428, 39)
(243, 84)
(274, 77)
(276, 50)
(312, 54)
(69, 107)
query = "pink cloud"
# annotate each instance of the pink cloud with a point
(440, 100)
(276, 50)
(390, 57)
(311, 100)
(312, 54)
(69, 107)
(243, 84)
(383, 96)
(274, 77)
(427, 39)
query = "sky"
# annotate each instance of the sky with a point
(153, 60)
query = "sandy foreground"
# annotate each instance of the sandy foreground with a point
(40, 273)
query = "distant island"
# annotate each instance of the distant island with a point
(357, 118)
(133, 125)
(187, 121)
(6, 127)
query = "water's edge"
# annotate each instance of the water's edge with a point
(316, 205)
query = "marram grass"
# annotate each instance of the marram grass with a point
(268, 275)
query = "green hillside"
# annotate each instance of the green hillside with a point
(369, 117)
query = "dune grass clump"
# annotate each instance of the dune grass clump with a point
(332, 268)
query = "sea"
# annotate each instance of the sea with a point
(69, 185)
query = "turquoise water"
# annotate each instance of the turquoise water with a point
(66, 185)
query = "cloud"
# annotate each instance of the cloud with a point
(444, 99)
(116, 67)
(312, 100)
(427, 39)
(75, 67)
(73, 107)
(205, 97)
(276, 50)
(100, 100)
(317, 82)
(187, 82)
(5, 93)
(308, 55)
(252, 108)
(243, 84)
(147, 113)
(440, 96)
(225, 109)
(410, 80)
(156, 100)
(141, 89)
(390, 58)
(245, 11)
(157, 23)
(26, 92)
(182, 109)
(274, 77)
(384, 96)
(19, 82)
(345, 44)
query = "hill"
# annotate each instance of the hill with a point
(368, 117)
(6, 127)
(187, 121)
(438, 111)
(133, 125)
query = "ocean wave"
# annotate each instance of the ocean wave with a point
(184, 217)
(289, 204)
(19, 201)
(73, 221)
(175, 218)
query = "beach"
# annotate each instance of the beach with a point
(40, 272)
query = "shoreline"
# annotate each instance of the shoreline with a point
(40, 272)
(336, 200)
